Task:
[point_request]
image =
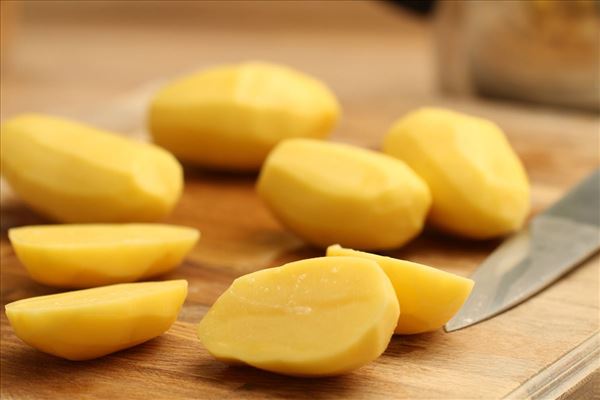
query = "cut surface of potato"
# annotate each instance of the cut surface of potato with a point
(336, 193)
(80, 256)
(90, 323)
(231, 116)
(428, 297)
(478, 184)
(315, 317)
(71, 172)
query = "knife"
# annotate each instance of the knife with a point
(554, 242)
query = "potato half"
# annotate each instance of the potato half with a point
(90, 323)
(82, 256)
(316, 317)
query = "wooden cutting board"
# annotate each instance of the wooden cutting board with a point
(545, 348)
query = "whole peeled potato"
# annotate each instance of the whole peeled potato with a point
(72, 172)
(330, 193)
(478, 184)
(230, 117)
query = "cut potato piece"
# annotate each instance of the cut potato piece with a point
(479, 187)
(75, 173)
(90, 323)
(80, 256)
(336, 193)
(315, 317)
(428, 297)
(231, 116)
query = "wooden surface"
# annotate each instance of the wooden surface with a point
(544, 348)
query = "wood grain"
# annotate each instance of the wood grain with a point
(505, 356)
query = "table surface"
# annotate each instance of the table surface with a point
(380, 63)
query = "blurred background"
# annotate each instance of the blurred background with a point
(61, 56)
(75, 56)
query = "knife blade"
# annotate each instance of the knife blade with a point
(553, 243)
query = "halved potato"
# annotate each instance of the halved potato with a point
(90, 323)
(428, 296)
(315, 317)
(80, 256)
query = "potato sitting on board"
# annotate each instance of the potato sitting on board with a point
(90, 323)
(315, 317)
(336, 193)
(428, 297)
(82, 256)
(71, 172)
(478, 184)
(231, 116)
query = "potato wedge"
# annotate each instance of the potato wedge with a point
(90, 323)
(428, 297)
(82, 256)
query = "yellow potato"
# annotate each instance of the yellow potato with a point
(336, 193)
(231, 116)
(479, 187)
(74, 173)
(79, 256)
(90, 323)
(428, 297)
(316, 317)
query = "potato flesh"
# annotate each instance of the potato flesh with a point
(74, 173)
(231, 116)
(335, 193)
(90, 323)
(315, 317)
(82, 256)
(478, 184)
(428, 297)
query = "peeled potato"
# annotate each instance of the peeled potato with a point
(478, 184)
(75, 173)
(428, 297)
(316, 317)
(336, 193)
(90, 323)
(80, 256)
(231, 116)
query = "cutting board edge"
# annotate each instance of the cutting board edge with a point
(569, 374)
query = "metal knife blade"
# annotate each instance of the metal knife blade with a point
(555, 241)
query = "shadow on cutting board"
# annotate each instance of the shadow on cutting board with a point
(248, 379)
